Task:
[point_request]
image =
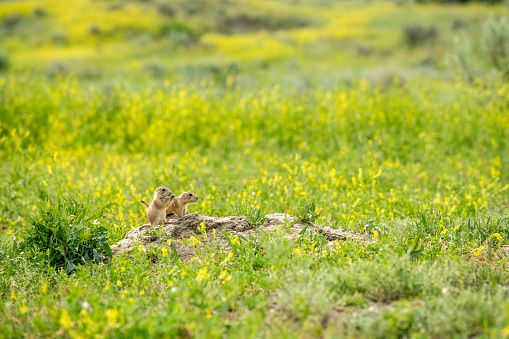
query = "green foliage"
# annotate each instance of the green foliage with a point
(254, 214)
(65, 233)
(308, 213)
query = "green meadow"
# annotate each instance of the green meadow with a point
(390, 119)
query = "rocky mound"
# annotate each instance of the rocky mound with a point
(176, 228)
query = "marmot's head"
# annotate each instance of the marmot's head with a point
(162, 192)
(188, 197)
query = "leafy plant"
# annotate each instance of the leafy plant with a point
(66, 233)
(254, 214)
(308, 213)
(417, 248)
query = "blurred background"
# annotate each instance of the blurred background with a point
(294, 43)
(284, 100)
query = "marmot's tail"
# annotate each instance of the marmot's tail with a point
(144, 203)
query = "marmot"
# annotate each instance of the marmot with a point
(179, 204)
(156, 211)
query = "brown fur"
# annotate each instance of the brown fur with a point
(179, 204)
(156, 210)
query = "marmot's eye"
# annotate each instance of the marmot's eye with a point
(164, 190)
(190, 194)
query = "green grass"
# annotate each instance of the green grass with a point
(417, 163)
(415, 167)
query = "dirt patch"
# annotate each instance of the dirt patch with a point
(187, 226)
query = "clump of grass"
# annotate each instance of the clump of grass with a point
(65, 233)
(308, 212)
(254, 214)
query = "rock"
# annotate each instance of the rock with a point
(177, 228)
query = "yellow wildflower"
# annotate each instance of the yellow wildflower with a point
(209, 314)
(202, 274)
(142, 292)
(478, 251)
(195, 241)
(228, 258)
(298, 251)
(505, 331)
(119, 283)
(22, 309)
(164, 251)
(375, 234)
(65, 320)
(111, 314)
(497, 236)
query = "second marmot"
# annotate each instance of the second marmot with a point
(179, 204)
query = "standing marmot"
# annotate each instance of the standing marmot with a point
(179, 204)
(156, 211)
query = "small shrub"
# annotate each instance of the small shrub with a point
(470, 60)
(459, 24)
(156, 69)
(364, 50)
(115, 7)
(166, 9)
(308, 213)
(249, 22)
(254, 214)
(57, 69)
(463, 61)
(59, 39)
(11, 21)
(66, 233)
(178, 32)
(4, 62)
(495, 40)
(94, 30)
(40, 12)
(415, 35)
